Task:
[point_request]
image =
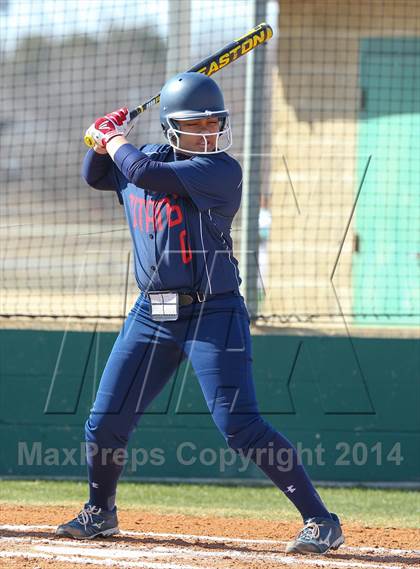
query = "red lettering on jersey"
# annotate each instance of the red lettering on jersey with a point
(185, 247)
(150, 218)
(153, 213)
(158, 214)
(136, 204)
(173, 209)
(137, 210)
(141, 202)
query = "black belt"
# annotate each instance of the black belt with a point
(191, 297)
(186, 299)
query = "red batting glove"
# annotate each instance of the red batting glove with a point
(107, 127)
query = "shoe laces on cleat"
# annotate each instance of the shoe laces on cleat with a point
(85, 516)
(309, 531)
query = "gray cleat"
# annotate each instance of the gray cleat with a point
(318, 535)
(91, 522)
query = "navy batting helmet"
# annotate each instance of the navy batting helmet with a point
(193, 96)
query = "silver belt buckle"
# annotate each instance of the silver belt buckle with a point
(164, 305)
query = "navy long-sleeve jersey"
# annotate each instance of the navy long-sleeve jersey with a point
(179, 212)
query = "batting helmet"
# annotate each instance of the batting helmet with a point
(193, 96)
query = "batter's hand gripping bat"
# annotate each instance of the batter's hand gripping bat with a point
(213, 63)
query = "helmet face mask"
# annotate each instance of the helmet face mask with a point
(223, 137)
(194, 97)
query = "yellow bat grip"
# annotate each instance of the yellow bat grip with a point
(89, 141)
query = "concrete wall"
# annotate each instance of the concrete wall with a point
(350, 407)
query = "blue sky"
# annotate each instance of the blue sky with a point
(62, 17)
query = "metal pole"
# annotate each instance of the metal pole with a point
(179, 37)
(252, 171)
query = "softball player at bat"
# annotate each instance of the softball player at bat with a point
(180, 199)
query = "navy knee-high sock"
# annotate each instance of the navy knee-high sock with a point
(280, 463)
(104, 470)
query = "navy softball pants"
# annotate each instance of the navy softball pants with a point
(215, 337)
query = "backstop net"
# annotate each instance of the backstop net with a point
(326, 124)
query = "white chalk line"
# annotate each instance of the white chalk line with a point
(76, 548)
(99, 560)
(216, 539)
(108, 557)
(88, 543)
(123, 550)
(156, 534)
(385, 550)
(204, 537)
(90, 561)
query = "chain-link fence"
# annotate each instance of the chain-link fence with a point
(326, 124)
